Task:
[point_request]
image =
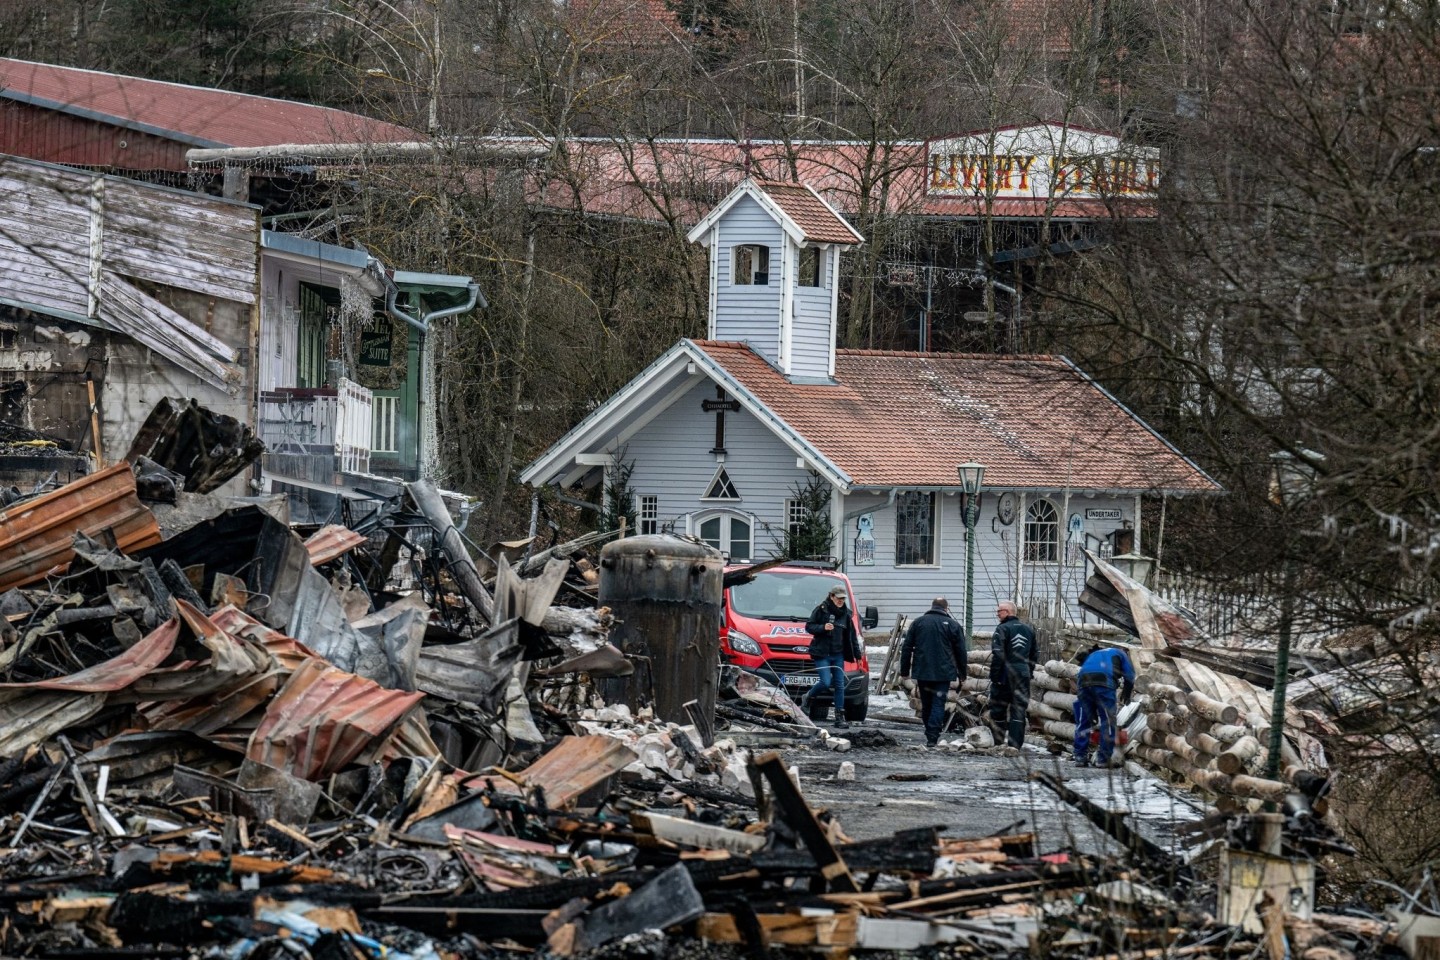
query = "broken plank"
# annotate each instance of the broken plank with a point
(690, 833)
(802, 820)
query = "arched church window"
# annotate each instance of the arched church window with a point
(1042, 532)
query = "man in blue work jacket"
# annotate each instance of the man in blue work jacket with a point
(1102, 670)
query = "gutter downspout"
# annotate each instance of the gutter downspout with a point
(425, 454)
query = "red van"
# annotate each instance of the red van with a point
(764, 630)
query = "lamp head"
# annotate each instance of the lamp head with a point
(972, 475)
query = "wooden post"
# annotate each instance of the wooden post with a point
(94, 424)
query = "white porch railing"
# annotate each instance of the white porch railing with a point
(325, 422)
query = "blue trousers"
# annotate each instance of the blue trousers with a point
(932, 707)
(832, 675)
(1095, 708)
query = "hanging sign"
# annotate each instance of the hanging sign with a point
(865, 540)
(375, 347)
(1103, 514)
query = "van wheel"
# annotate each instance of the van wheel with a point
(855, 712)
(818, 709)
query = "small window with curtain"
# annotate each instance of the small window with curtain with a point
(1042, 532)
(914, 529)
(808, 274)
(751, 266)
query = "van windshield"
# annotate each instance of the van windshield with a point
(780, 596)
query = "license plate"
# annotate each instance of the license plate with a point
(800, 681)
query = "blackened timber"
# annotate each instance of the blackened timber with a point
(797, 813)
(1100, 598)
(181, 587)
(909, 851)
(668, 899)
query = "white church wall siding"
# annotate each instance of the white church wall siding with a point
(909, 589)
(673, 462)
(811, 336)
(749, 312)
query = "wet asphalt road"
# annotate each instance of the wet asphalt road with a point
(975, 793)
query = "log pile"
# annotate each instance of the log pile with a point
(1212, 745)
(1052, 696)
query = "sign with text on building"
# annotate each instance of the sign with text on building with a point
(1103, 513)
(1040, 162)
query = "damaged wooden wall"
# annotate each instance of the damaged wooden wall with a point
(149, 290)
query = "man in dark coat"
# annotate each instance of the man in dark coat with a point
(832, 642)
(1013, 653)
(934, 654)
(1102, 670)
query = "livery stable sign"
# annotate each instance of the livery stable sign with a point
(1040, 162)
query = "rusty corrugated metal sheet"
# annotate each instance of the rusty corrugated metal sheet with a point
(574, 766)
(35, 535)
(119, 672)
(324, 718)
(288, 652)
(330, 542)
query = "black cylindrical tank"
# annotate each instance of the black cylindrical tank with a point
(667, 598)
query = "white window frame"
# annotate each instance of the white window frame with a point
(725, 542)
(819, 255)
(707, 498)
(747, 277)
(934, 561)
(647, 513)
(1051, 545)
(794, 516)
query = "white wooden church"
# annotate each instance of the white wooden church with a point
(721, 433)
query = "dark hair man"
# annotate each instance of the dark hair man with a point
(1012, 663)
(832, 642)
(934, 653)
(1100, 672)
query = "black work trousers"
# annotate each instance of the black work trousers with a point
(1009, 705)
(932, 707)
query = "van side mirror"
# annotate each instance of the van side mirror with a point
(871, 620)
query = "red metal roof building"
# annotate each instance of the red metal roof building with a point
(104, 120)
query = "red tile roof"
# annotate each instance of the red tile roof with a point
(1033, 421)
(818, 222)
(197, 115)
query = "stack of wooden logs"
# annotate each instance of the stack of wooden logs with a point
(1211, 744)
(1052, 694)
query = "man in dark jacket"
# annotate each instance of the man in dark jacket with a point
(1012, 663)
(1102, 670)
(832, 642)
(934, 654)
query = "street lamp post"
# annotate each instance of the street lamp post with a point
(972, 475)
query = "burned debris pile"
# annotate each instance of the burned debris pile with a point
(249, 740)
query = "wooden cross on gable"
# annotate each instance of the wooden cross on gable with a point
(718, 406)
